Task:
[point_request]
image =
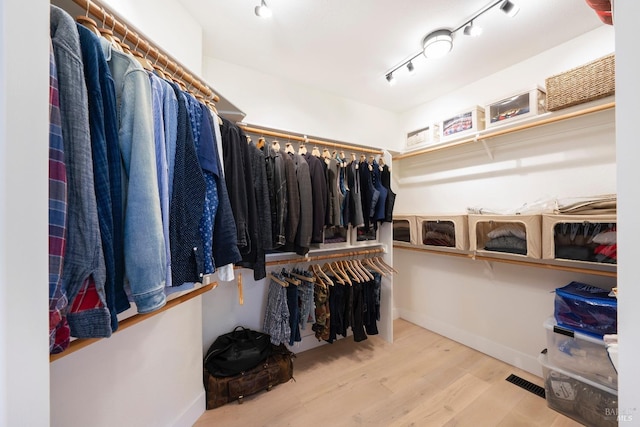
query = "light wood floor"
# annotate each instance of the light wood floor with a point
(422, 379)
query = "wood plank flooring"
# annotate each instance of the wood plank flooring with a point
(422, 379)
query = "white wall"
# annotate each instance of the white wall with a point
(150, 373)
(272, 102)
(496, 308)
(24, 138)
(628, 90)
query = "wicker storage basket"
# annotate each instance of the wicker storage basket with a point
(588, 82)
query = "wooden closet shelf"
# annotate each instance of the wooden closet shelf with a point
(576, 267)
(488, 134)
(80, 343)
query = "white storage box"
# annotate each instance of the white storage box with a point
(428, 135)
(516, 107)
(443, 231)
(585, 401)
(404, 229)
(512, 234)
(465, 123)
(587, 238)
(581, 354)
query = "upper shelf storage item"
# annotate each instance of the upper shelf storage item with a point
(588, 82)
(516, 107)
(444, 231)
(588, 238)
(467, 122)
(404, 229)
(513, 234)
(428, 135)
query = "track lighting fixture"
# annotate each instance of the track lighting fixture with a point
(437, 44)
(390, 79)
(472, 30)
(509, 8)
(262, 10)
(440, 42)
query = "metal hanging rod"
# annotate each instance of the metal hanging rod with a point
(132, 35)
(303, 138)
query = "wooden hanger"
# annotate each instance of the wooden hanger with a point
(315, 152)
(374, 267)
(316, 268)
(88, 22)
(302, 149)
(278, 281)
(303, 278)
(338, 277)
(348, 267)
(261, 142)
(288, 148)
(384, 265)
(275, 144)
(338, 268)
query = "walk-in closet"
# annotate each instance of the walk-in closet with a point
(411, 210)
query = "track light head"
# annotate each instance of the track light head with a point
(437, 43)
(410, 67)
(510, 8)
(390, 79)
(262, 10)
(472, 30)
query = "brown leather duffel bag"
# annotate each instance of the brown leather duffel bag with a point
(276, 369)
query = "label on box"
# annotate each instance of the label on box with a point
(563, 390)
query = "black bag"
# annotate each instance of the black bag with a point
(237, 351)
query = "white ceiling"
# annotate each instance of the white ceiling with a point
(346, 47)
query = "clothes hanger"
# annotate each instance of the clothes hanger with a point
(278, 281)
(344, 275)
(364, 269)
(302, 150)
(88, 22)
(373, 266)
(261, 142)
(384, 265)
(302, 277)
(288, 148)
(275, 144)
(122, 43)
(287, 277)
(322, 274)
(335, 274)
(348, 268)
(315, 152)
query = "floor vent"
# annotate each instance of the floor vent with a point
(529, 386)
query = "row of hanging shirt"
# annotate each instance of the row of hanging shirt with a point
(333, 298)
(138, 203)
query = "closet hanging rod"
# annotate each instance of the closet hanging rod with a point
(299, 260)
(80, 343)
(133, 36)
(261, 131)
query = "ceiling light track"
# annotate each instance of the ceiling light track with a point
(438, 43)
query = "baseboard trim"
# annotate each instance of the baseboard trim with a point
(189, 417)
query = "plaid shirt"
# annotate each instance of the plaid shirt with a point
(58, 327)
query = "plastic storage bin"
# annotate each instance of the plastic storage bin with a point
(580, 354)
(428, 135)
(585, 401)
(465, 123)
(586, 238)
(512, 234)
(586, 309)
(513, 108)
(450, 231)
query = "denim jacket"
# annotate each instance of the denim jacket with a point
(144, 250)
